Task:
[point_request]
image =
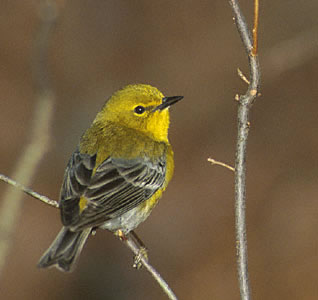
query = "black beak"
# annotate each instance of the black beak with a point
(168, 101)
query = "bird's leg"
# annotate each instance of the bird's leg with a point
(121, 235)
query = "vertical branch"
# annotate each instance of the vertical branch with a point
(39, 134)
(244, 104)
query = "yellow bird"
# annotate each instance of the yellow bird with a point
(117, 173)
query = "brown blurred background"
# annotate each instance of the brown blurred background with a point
(182, 47)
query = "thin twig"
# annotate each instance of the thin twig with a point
(129, 242)
(255, 28)
(242, 76)
(244, 104)
(222, 164)
(29, 192)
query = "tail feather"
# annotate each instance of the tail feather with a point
(65, 249)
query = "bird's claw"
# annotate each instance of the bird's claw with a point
(142, 253)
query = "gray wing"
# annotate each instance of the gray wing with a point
(117, 186)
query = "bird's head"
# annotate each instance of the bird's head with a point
(140, 107)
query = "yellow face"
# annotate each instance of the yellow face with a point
(136, 107)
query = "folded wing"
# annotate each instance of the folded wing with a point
(116, 186)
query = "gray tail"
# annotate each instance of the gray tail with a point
(65, 249)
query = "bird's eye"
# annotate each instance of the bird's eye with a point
(139, 109)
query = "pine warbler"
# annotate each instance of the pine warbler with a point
(117, 173)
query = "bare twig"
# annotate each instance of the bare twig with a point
(39, 139)
(242, 76)
(222, 164)
(136, 250)
(244, 104)
(255, 28)
(29, 192)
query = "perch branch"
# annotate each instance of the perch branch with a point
(29, 192)
(245, 102)
(130, 243)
